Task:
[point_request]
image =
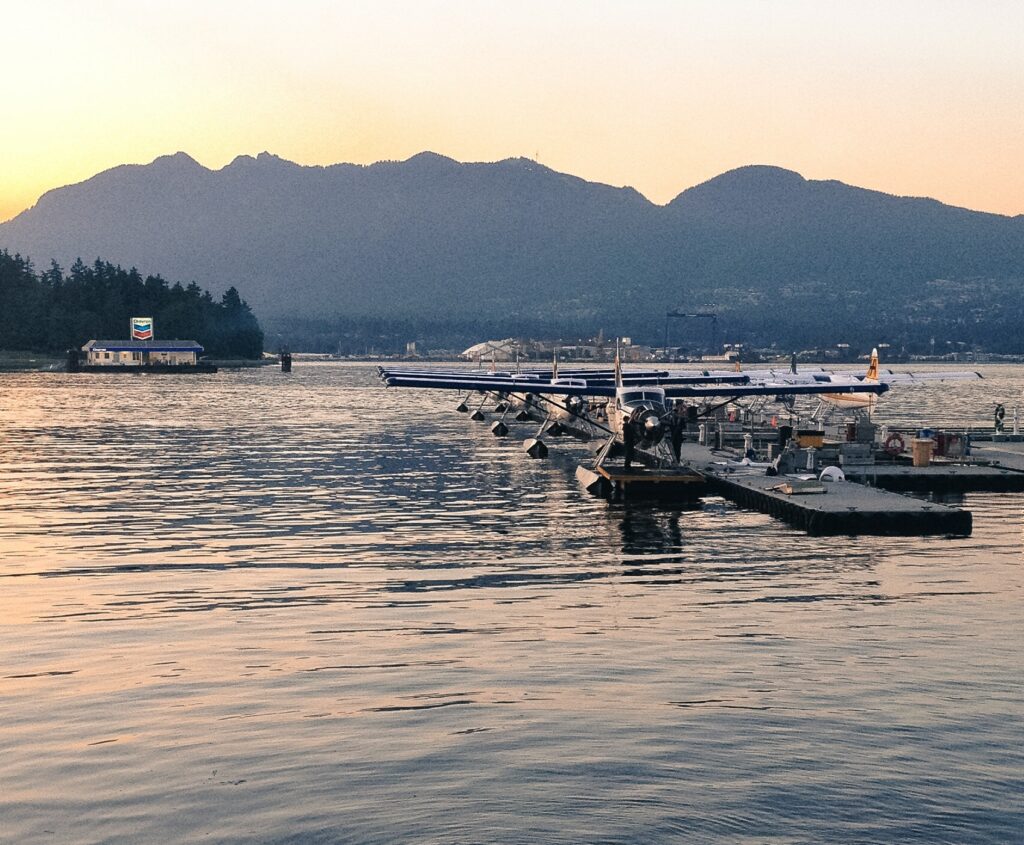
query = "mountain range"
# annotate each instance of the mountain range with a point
(432, 239)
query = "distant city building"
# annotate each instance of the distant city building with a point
(492, 350)
(634, 352)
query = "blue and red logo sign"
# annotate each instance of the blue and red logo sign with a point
(142, 328)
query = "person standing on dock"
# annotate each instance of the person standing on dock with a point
(677, 427)
(628, 444)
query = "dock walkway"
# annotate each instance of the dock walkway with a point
(845, 507)
(938, 477)
(1008, 455)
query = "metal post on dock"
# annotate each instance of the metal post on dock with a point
(1016, 429)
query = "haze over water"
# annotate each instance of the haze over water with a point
(260, 607)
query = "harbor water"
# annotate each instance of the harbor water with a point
(267, 607)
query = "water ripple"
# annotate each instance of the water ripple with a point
(305, 609)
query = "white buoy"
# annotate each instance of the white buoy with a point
(832, 474)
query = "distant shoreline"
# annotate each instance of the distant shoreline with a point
(14, 361)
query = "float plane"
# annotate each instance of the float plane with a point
(635, 406)
(860, 402)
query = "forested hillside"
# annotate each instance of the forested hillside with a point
(53, 310)
(358, 257)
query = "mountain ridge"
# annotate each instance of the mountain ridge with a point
(434, 238)
(264, 157)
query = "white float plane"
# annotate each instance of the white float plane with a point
(859, 401)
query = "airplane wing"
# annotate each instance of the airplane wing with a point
(826, 377)
(777, 389)
(889, 377)
(694, 386)
(523, 381)
(490, 385)
(546, 374)
(812, 375)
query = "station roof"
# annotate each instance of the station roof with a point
(142, 346)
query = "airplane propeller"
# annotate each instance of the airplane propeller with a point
(648, 427)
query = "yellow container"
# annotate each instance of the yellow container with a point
(810, 439)
(921, 449)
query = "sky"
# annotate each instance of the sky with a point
(912, 97)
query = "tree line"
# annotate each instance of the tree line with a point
(54, 310)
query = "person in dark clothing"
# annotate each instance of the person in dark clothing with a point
(677, 427)
(628, 443)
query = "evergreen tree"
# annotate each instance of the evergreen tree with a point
(52, 311)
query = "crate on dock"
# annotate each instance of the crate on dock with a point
(810, 438)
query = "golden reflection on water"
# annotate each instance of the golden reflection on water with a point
(295, 610)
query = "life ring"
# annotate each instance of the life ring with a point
(895, 444)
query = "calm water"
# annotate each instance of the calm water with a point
(259, 607)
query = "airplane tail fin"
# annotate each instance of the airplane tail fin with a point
(618, 366)
(872, 374)
(554, 365)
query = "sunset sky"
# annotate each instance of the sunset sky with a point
(920, 98)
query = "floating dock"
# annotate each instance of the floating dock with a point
(864, 504)
(141, 369)
(843, 507)
(939, 477)
(620, 485)
(1004, 454)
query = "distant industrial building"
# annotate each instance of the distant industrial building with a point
(141, 353)
(139, 356)
(492, 350)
